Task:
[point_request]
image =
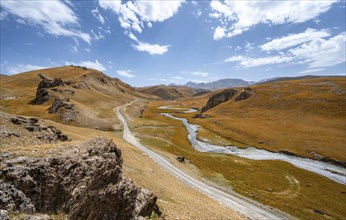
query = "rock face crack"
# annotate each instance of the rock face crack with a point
(84, 182)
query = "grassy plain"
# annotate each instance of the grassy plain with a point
(301, 116)
(275, 183)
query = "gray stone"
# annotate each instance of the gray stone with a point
(84, 182)
(219, 98)
(242, 96)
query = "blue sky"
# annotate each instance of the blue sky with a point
(162, 42)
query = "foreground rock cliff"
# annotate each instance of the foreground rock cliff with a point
(79, 181)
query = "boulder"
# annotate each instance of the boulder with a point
(49, 133)
(60, 103)
(200, 115)
(4, 215)
(242, 96)
(181, 159)
(42, 94)
(83, 181)
(219, 98)
(18, 120)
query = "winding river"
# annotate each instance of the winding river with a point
(333, 172)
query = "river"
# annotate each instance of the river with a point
(333, 172)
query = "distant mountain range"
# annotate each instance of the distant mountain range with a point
(228, 83)
(219, 84)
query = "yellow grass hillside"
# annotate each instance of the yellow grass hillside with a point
(306, 117)
(171, 92)
(274, 183)
(93, 94)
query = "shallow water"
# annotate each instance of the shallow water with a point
(185, 110)
(333, 172)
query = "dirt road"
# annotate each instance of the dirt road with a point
(250, 209)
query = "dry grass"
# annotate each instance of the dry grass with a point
(275, 183)
(298, 116)
(95, 105)
(176, 200)
(169, 92)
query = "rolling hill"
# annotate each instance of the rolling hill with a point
(172, 92)
(305, 117)
(60, 112)
(90, 93)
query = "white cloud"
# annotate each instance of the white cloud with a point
(315, 54)
(74, 49)
(322, 53)
(3, 15)
(153, 49)
(251, 62)
(55, 17)
(294, 39)
(237, 48)
(20, 68)
(219, 33)
(311, 70)
(90, 64)
(97, 35)
(132, 36)
(134, 14)
(239, 16)
(125, 73)
(198, 73)
(95, 12)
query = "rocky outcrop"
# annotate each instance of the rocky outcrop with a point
(64, 108)
(219, 98)
(242, 96)
(77, 85)
(200, 115)
(49, 133)
(61, 103)
(83, 181)
(181, 159)
(42, 94)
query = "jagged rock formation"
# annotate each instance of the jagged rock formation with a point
(49, 133)
(224, 96)
(219, 98)
(83, 182)
(42, 94)
(60, 103)
(64, 108)
(242, 96)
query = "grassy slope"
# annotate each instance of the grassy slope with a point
(95, 105)
(176, 200)
(298, 116)
(275, 183)
(170, 92)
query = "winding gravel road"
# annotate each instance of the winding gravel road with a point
(249, 208)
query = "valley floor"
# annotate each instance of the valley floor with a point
(303, 194)
(175, 199)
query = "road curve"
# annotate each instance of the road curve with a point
(232, 201)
